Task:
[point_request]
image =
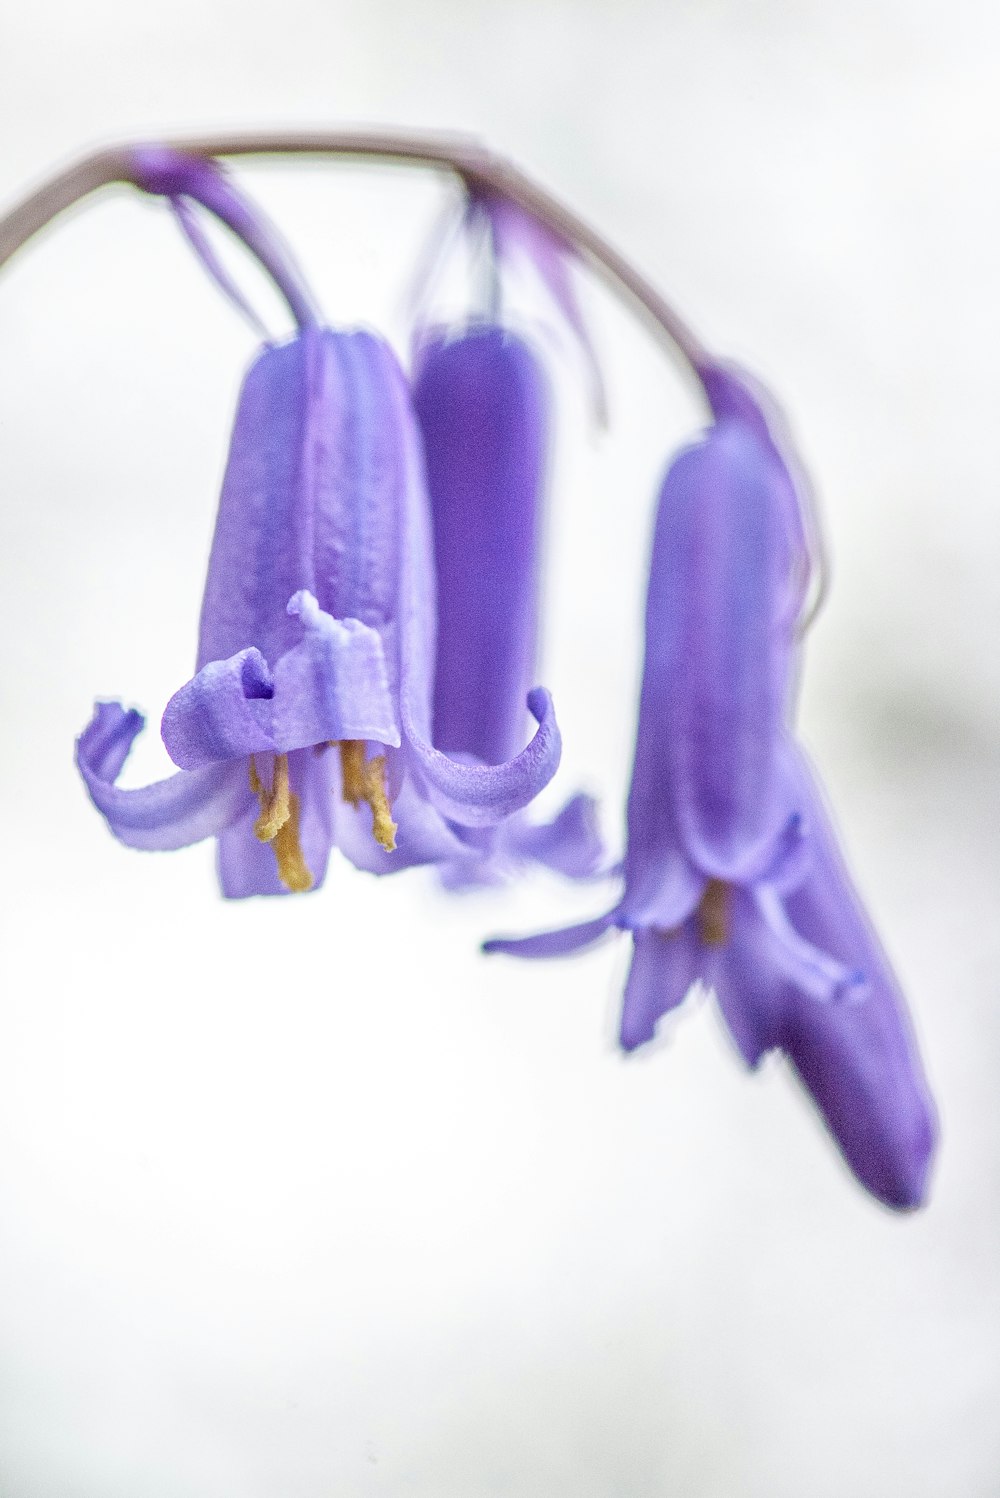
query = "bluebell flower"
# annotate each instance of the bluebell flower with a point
(732, 874)
(483, 403)
(308, 723)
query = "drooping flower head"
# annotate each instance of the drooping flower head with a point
(731, 873)
(318, 632)
(483, 403)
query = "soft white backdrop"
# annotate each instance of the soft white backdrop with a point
(306, 1198)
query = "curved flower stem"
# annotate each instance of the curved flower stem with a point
(477, 167)
(171, 173)
(473, 163)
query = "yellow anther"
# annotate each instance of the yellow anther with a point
(364, 780)
(292, 870)
(275, 807)
(713, 913)
(352, 770)
(383, 827)
(278, 824)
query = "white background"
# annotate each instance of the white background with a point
(305, 1198)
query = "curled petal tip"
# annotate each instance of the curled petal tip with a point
(222, 713)
(482, 795)
(539, 703)
(171, 813)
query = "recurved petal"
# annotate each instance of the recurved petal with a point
(665, 966)
(331, 685)
(482, 401)
(469, 795)
(171, 813)
(223, 713)
(482, 795)
(719, 650)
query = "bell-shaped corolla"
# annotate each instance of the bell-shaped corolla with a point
(483, 403)
(732, 875)
(308, 723)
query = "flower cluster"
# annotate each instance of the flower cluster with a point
(355, 619)
(365, 676)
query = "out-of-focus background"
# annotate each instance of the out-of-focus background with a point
(305, 1197)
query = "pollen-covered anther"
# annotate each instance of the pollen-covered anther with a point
(713, 913)
(278, 824)
(292, 869)
(364, 780)
(275, 802)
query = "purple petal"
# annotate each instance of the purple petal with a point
(808, 968)
(482, 401)
(332, 685)
(172, 813)
(263, 550)
(719, 654)
(468, 794)
(661, 887)
(570, 844)
(665, 966)
(553, 943)
(482, 795)
(246, 866)
(223, 713)
(322, 452)
(856, 1056)
(859, 1061)
(766, 967)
